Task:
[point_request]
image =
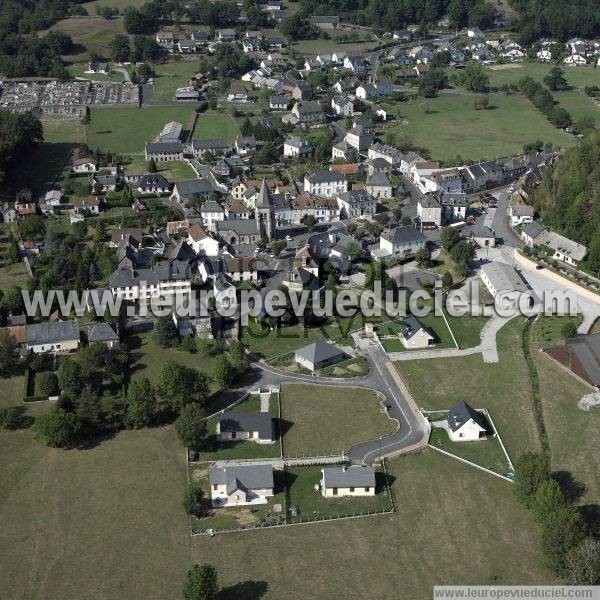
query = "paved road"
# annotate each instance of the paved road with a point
(500, 223)
(123, 72)
(411, 425)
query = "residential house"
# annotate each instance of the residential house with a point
(9, 214)
(325, 22)
(98, 67)
(379, 186)
(241, 485)
(294, 146)
(479, 234)
(279, 102)
(237, 92)
(239, 426)
(244, 145)
(388, 153)
(164, 151)
(465, 424)
(309, 114)
(54, 336)
(86, 203)
(166, 40)
(355, 480)
(325, 183)
(319, 355)
(413, 335)
(85, 165)
(226, 35)
(212, 213)
(242, 268)
(344, 151)
(186, 46)
(544, 55)
(236, 210)
(342, 105)
(359, 138)
(201, 242)
(356, 64)
(356, 203)
(153, 183)
(216, 146)
(200, 38)
(401, 242)
(302, 91)
(103, 333)
(429, 211)
(191, 190)
(576, 60)
(454, 207)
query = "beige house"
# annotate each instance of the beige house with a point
(241, 485)
(348, 481)
(413, 335)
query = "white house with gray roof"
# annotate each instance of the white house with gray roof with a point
(253, 426)
(325, 183)
(241, 485)
(355, 480)
(503, 280)
(413, 335)
(55, 336)
(318, 355)
(356, 203)
(401, 242)
(465, 424)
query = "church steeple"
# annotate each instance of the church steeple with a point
(264, 212)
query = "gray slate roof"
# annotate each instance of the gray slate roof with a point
(53, 332)
(319, 351)
(248, 421)
(462, 413)
(403, 234)
(102, 332)
(324, 176)
(249, 477)
(354, 476)
(164, 147)
(411, 327)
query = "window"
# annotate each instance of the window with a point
(335, 491)
(351, 489)
(215, 487)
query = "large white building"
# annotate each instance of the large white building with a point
(325, 183)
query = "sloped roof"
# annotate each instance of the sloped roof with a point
(102, 332)
(248, 421)
(52, 332)
(462, 413)
(353, 476)
(249, 477)
(319, 351)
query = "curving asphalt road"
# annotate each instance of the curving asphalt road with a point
(411, 424)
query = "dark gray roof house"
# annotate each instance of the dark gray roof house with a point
(54, 333)
(318, 355)
(411, 327)
(462, 413)
(345, 477)
(247, 422)
(249, 477)
(102, 333)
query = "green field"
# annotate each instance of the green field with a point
(11, 391)
(438, 500)
(576, 76)
(172, 171)
(326, 420)
(126, 130)
(487, 452)
(579, 105)
(79, 70)
(170, 76)
(63, 131)
(503, 388)
(214, 125)
(467, 329)
(105, 522)
(91, 34)
(449, 125)
(15, 274)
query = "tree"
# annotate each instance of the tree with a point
(10, 418)
(423, 257)
(237, 356)
(201, 583)
(48, 383)
(152, 168)
(432, 82)
(165, 332)
(191, 426)
(298, 27)
(556, 79)
(13, 253)
(562, 531)
(8, 358)
(188, 344)
(70, 376)
(310, 221)
(448, 237)
(463, 252)
(278, 246)
(223, 371)
(568, 329)
(13, 300)
(447, 281)
(582, 564)
(475, 78)
(88, 410)
(548, 499)
(120, 51)
(481, 102)
(57, 428)
(559, 117)
(179, 385)
(531, 470)
(140, 403)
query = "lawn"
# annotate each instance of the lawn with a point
(488, 452)
(79, 70)
(147, 358)
(331, 45)
(576, 76)
(548, 330)
(576, 455)
(434, 324)
(214, 125)
(14, 274)
(177, 170)
(170, 76)
(356, 366)
(579, 105)
(467, 329)
(214, 450)
(449, 125)
(11, 391)
(322, 420)
(126, 129)
(92, 34)
(301, 481)
(438, 501)
(105, 522)
(503, 388)
(63, 131)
